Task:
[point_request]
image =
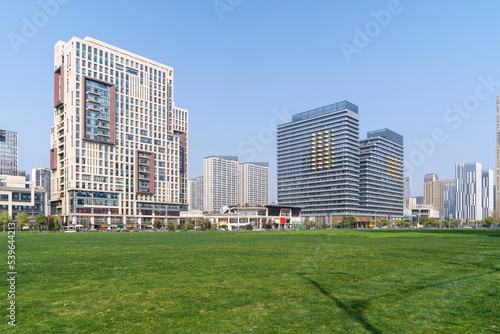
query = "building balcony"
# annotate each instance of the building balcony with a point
(94, 101)
(94, 93)
(93, 109)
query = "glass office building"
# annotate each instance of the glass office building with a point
(381, 174)
(318, 161)
(8, 152)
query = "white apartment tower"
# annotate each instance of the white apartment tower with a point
(487, 193)
(119, 143)
(469, 191)
(196, 193)
(220, 182)
(254, 183)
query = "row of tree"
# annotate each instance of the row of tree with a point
(41, 222)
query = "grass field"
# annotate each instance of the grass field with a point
(399, 281)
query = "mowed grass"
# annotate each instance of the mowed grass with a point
(401, 281)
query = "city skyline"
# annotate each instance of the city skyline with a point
(436, 71)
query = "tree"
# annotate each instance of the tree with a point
(348, 221)
(189, 226)
(488, 221)
(384, 222)
(157, 224)
(407, 222)
(455, 222)
(170, 227)
(248, 227)
(399, 222)
(434, 222)
(425, 221)
(55, 222)
(5, 220)
(22, 220)
(39, 221)
(206, 224)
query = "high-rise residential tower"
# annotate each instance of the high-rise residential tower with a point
(220, 182)
(436, 193)
(196, 193)
(469, 191)
(254, 183)
(381, 183)
(8, 153)
(318, 160)
(119, 143)
(41, 177)
(487, 192)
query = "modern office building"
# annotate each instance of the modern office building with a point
(196, 193)
(254, 183)
(41, 180)
(487, 193)
(449, 199)
(41, 177)
(407, 190)
(469, 191)
(318, 161)
(434, 194)
(17, 195)
(381, 183)
(119, 143)
(8, 152)
(221, 186)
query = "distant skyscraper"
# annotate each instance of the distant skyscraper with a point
(41, 177)
(381, 183)
(407, 190)
(469, 191)
(196, 193)
(487, 192)
(220, 182)
(430, 178)
(8, 153)
(434, 194)
(254, 183)
(318, 161)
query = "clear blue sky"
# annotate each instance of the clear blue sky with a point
(233, 74)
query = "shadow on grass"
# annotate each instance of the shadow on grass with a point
(354, 310)
(495, 233)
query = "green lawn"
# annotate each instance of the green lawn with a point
(397, 281)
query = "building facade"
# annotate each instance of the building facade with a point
(17, 195)
(196, 194)
(8, 152)
(381, 183)
(220, 183)
(318, 161)
(437, 193)
(119, 143)
(254, 183)
(41, 178)
(487, 193)
(469, 187)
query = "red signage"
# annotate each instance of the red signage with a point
(283, 220)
